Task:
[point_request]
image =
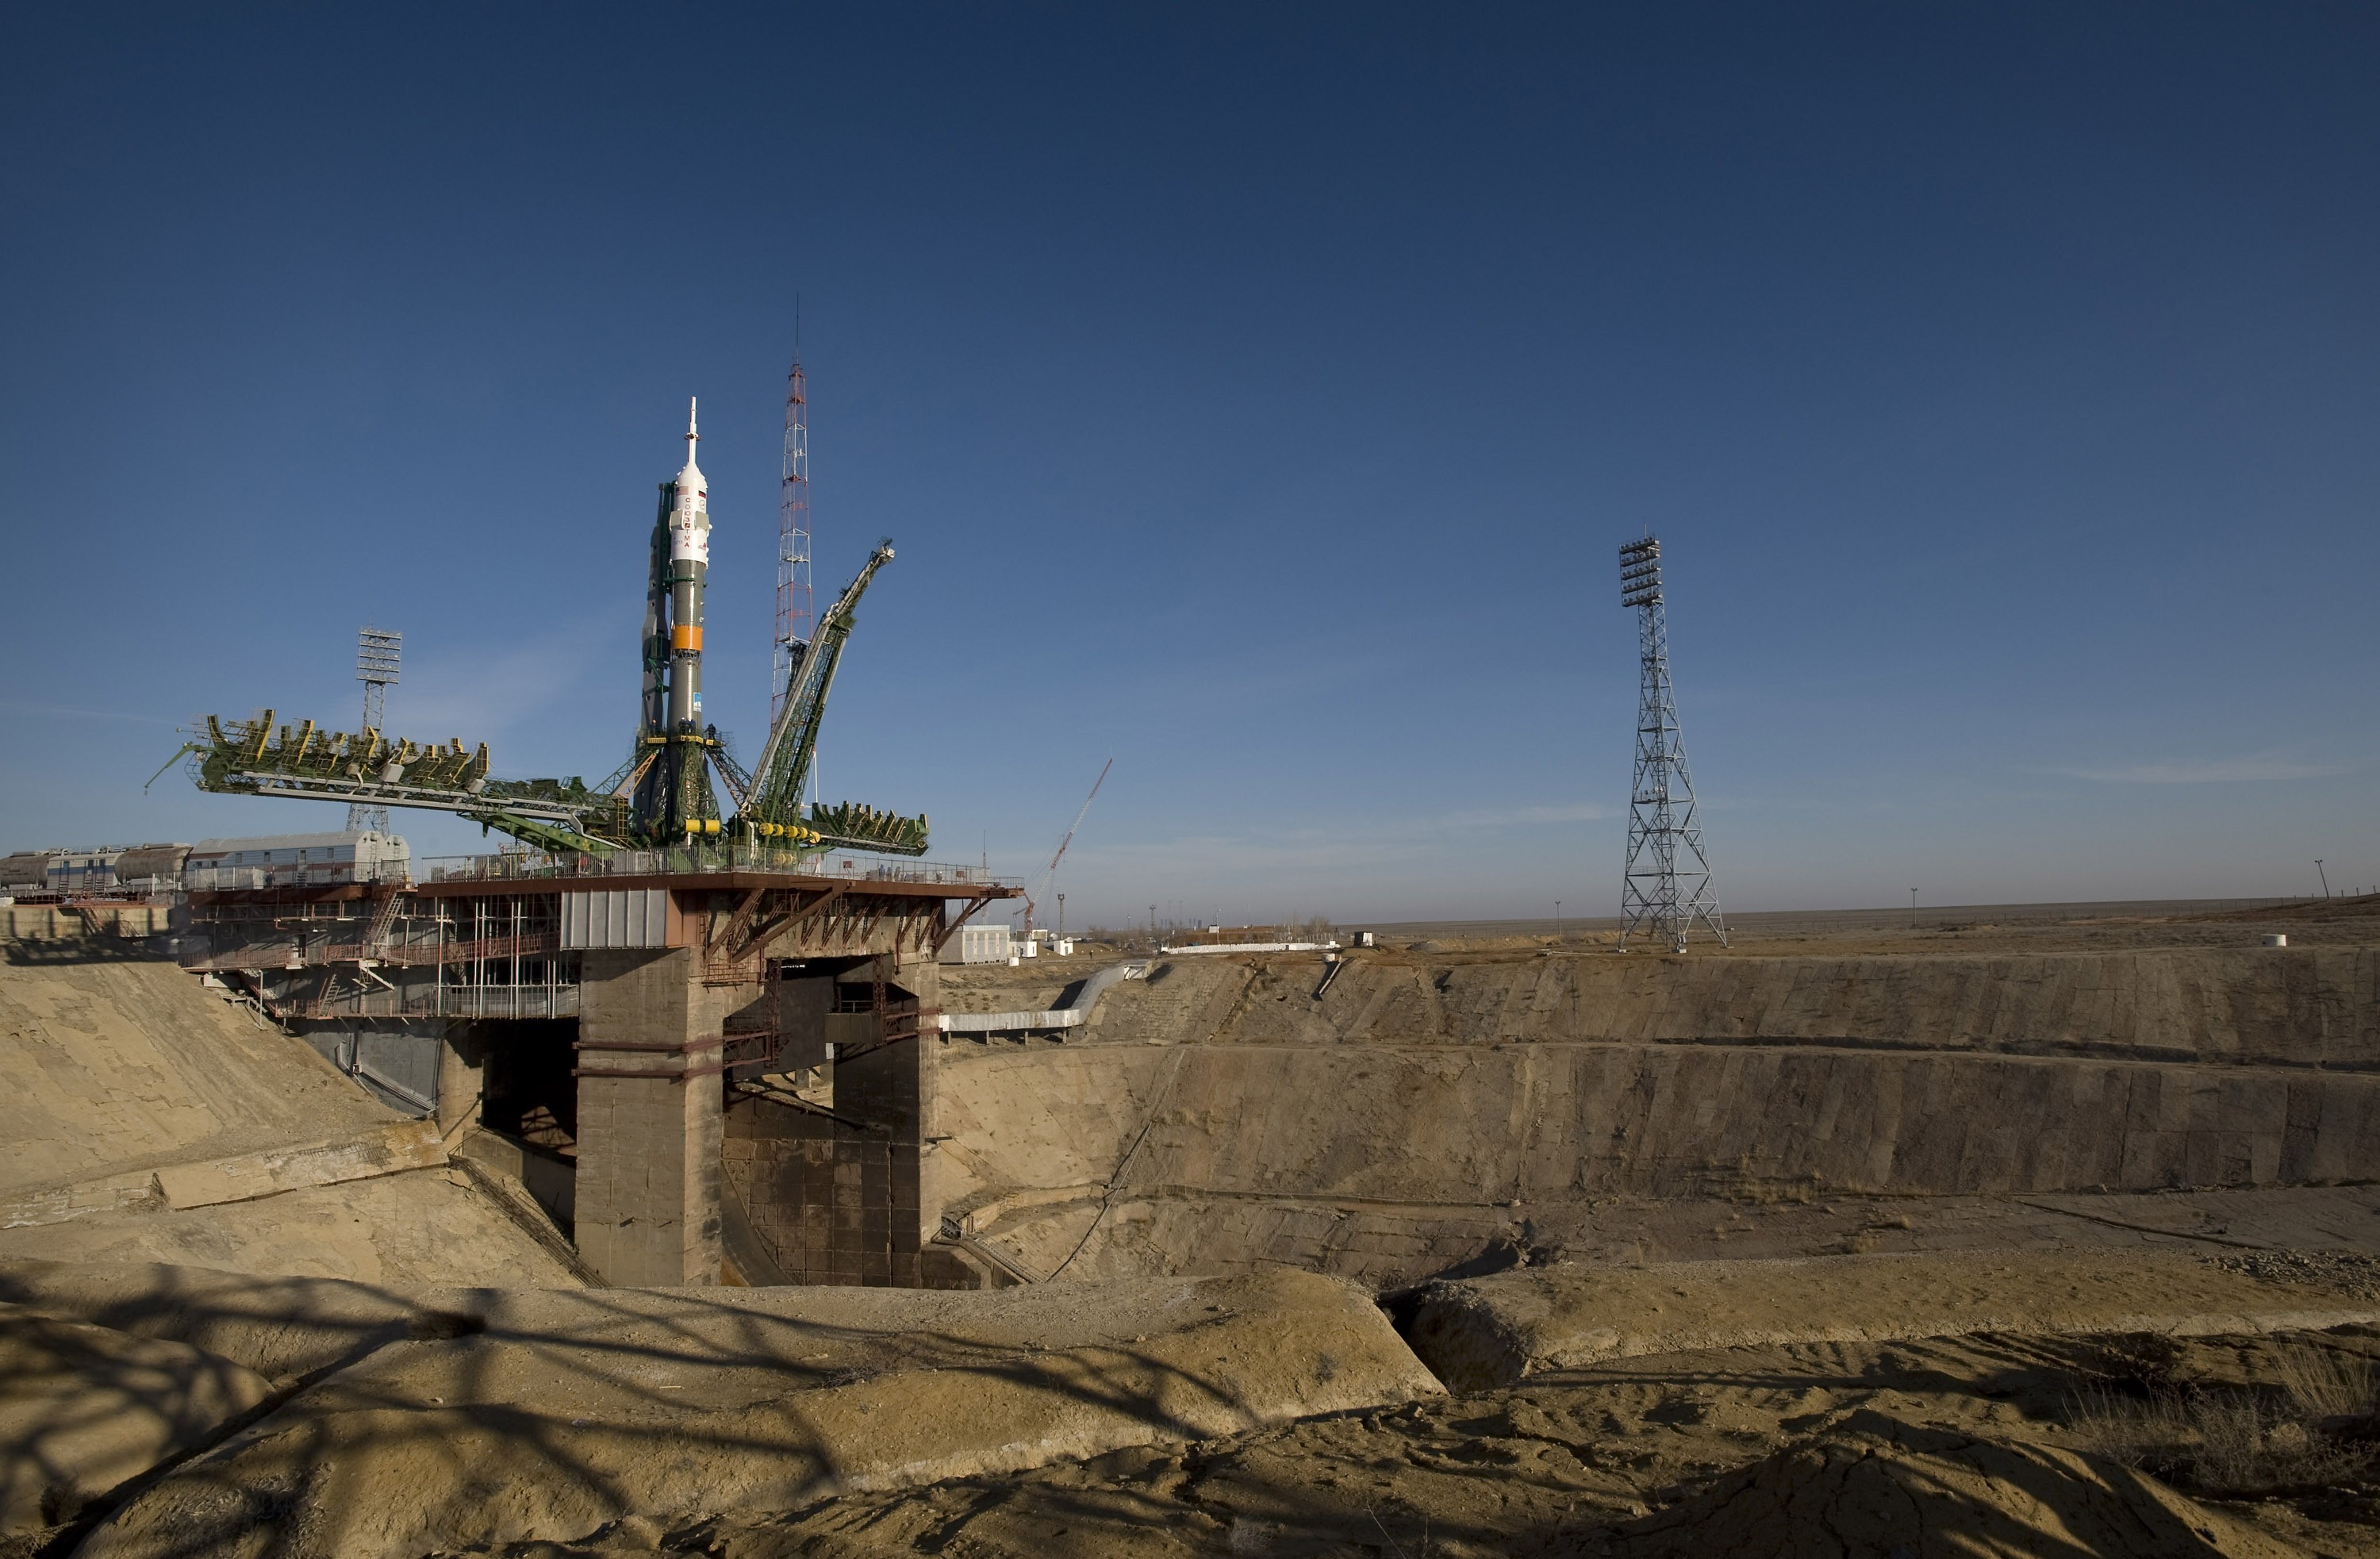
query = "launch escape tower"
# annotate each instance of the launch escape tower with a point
(1660, 894)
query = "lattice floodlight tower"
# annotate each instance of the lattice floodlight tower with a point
(1667, 887)
(376, 657)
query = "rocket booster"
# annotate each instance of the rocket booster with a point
(688, 568)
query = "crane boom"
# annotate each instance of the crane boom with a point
(1049, 873)
(784, 762)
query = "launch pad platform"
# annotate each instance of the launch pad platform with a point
(714, 1066)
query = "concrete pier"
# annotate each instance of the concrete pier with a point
(649, 1117)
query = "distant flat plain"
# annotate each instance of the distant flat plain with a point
(1926, 919)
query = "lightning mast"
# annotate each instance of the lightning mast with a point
(792, 540)
(1658, 892)
(376, 657)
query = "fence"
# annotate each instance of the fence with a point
(296, 874)
(737, 854)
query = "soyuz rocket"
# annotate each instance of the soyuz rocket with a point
(681, 564)
(690, 544)
(673, 789)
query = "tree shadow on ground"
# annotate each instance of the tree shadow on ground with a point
(392, 1424)
(91, 948)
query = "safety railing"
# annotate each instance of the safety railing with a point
(699, 859)
(451, 1001)
(294, 874)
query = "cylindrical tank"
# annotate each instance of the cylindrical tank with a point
(160, 864)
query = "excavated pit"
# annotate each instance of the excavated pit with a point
(1432, 1112)
(2064, 1242)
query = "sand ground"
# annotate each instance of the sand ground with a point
(1784, 1368)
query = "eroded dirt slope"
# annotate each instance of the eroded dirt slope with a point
(110, 1062)
(125, 1083)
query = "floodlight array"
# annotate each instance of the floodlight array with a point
(1640, 573)
(376, 655)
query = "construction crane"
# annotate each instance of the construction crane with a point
(1049, 873)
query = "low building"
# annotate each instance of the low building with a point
(295, 860)
(83, 871)
(978, 945)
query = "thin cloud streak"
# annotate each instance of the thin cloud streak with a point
(489, 697)
(1366, 845)
(2220, 770)
(84, 713)
(1512, 817)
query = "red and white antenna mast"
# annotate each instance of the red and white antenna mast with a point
(792, 536)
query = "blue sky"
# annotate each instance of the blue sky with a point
(1255, 395)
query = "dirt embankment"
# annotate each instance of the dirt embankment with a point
(1497, 1330)
(1847, 1406)
(400, 1423)
(110, 1065)
(1987, 1445)
(147, 1119)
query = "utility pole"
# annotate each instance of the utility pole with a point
(376, 657)
(2325, 876)
(1660, 891)
(1913, 910)
(1061, 917)
(1558, 920)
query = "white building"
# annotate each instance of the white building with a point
(295, 860)
(83, 871)
(977, 944)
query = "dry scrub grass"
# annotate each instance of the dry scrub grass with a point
(2309, 1428)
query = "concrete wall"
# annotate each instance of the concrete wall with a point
(838, 1199)
(2287, 1006)
(818, 1195)
(416, 1065)
(35, 922)
(1557, 1121)
(1221, 1115)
